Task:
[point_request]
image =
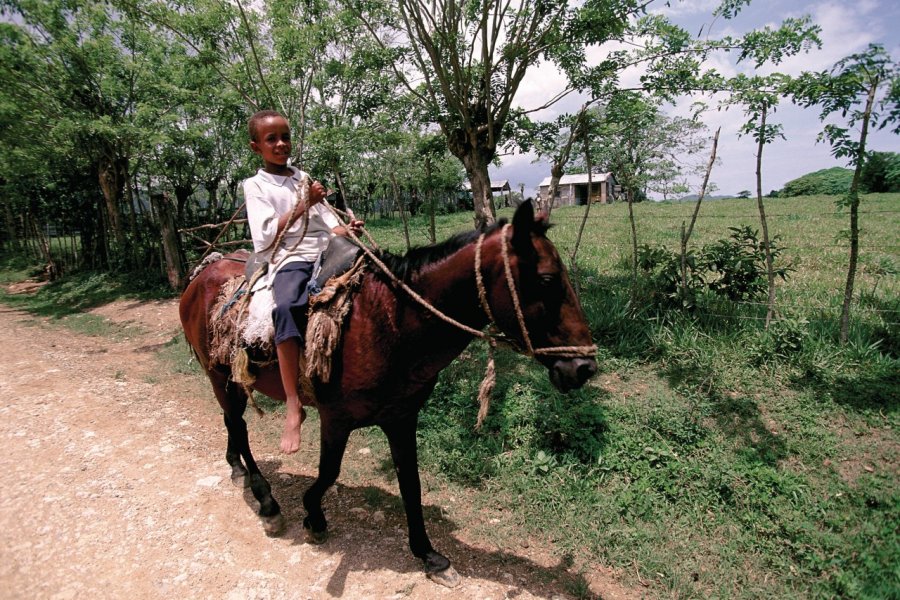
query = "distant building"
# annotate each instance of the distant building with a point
(573, 189)
(500, 188)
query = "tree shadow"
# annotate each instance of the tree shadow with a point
(875, 390)
(737, 416)
(373, 536)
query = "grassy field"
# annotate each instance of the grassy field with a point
(709, 457)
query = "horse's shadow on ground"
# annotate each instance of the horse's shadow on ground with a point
(365, 543)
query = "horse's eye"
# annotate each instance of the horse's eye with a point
(547, 279)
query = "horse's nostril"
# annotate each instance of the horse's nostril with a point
(586, 370)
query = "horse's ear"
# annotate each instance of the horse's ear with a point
(523, 223)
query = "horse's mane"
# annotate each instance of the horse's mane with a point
(417, 258)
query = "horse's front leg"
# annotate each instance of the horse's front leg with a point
(331, 452)
(402, 439)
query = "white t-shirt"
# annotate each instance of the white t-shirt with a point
(269, 197)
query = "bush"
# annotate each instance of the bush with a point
(662, 269)
(881, 173)
(830, 182)
(736, 267)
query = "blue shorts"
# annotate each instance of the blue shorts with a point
(291, 300)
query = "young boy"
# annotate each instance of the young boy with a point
(270, 197)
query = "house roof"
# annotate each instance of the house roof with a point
(579, 178)
(497, 186)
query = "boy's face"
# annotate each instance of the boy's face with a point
(273, 143)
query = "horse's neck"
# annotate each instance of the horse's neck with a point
(450, 287)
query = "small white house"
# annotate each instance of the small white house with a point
(573, 189)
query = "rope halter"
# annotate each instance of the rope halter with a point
(529, 350)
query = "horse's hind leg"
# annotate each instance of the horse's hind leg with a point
(402, 439)
(233, 400)
(331, 453)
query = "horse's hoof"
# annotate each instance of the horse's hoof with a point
(240, 481)
(314, 537)
(273, 525)
(447, 578)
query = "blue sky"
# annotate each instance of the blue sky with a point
(847, 27)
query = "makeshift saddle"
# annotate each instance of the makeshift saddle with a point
(241, 320)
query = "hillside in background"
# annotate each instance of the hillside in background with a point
(830, 182)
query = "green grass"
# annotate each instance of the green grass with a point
(709, 458)
(77, 292)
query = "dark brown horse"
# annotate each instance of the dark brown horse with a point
(393, 350)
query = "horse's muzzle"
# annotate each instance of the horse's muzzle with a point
(572, 373)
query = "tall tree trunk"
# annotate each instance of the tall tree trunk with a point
(634, 243)
(399, 202)
(182, 195)
(587, 206)
(429, 194)
(212, 195)
(11, 227)
(94, 241)
(111, 171)
(853, 197)
(556, 173)
(44, 247)
(770, 268)
(480, 180)
(558, 168)
(339, 181)
(132, 212)
(169, 235)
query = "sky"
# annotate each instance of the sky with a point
(847, 27)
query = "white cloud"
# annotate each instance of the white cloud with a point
(846, 28)
(686, 7)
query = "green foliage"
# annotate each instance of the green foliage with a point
(863, 88)
(783, 340)
(880, 173)
(663, 284)
(832, 182)
(736, 267)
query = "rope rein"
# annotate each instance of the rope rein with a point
(491, 338)
(396, 280)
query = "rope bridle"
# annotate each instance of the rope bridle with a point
(493, 338)
(529, 350)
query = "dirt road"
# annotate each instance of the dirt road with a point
(114, 485)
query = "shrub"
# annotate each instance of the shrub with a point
(736, 267)
(881, 173)
(662, 270)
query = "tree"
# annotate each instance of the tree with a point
(633, 138)
(473, 57)
(82, 67)
(758, 96)
(865, 89)
(834, 181)
(550, 140)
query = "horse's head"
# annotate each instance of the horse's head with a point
(548, 321)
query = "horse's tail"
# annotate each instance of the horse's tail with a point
(213, 257)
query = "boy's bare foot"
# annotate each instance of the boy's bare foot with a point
(290, 437)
